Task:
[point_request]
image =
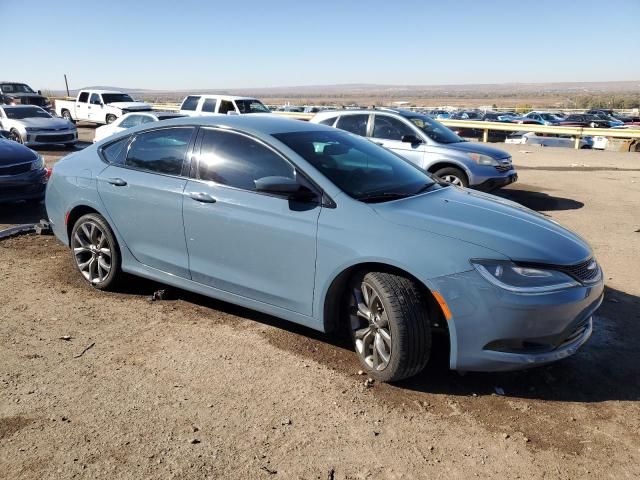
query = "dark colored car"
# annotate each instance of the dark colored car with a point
(23, 175)
(14, 93)
(618, 116)
(467, 115)
(585, 120)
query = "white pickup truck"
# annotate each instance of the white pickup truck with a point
(99, 106)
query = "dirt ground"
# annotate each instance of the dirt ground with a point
(194, 388)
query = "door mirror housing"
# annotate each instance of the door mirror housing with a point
(285, 186)
(412, 139)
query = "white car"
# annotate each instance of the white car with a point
(33, 126)
(196, 105)
(549, 140)
(131, 120)
(99, 106)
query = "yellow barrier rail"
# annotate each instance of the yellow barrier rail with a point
(485, 127)
(576, 132)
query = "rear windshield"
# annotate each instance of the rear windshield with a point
(16, 88)
(21, 113)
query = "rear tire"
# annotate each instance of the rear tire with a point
(389, 324)
(453, 175)
(95, 252)
(111, 118)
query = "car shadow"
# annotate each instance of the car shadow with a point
(535, 200)
(18, 213)
(606, 368)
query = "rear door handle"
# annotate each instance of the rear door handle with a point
(202, 197)
(118, 182)
(379, 143)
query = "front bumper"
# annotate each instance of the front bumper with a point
(491, 184)
(492, 329)
(39, 138)
(28, 186)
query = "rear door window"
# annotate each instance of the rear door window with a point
(328, 121)
(190, 103)
(209, 105)
(354, 123)
(160, 151)
(84, 97)
(114, 153)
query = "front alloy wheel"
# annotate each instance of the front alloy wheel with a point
(389, 323)
(371, 329)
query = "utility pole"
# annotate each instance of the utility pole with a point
(67, 84)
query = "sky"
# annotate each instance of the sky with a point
(188, 44)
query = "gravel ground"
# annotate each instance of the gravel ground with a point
(194, 388)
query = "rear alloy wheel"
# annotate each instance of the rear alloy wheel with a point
(389, 325)
(110, 119)
(15, 136)
(452, 175)
(95, 251)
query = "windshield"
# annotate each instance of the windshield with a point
(549, 116)
(357, 166)
(251, 106)
(20, 113)
(116, 97)
(434, 129)
(16, 88)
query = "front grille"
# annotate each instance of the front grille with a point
(586, 271)
(15, 169)
(55, 138)
(504, 167)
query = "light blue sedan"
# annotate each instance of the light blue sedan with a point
(326, 229)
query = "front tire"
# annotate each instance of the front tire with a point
(389, 325)
(95, 252)
(66, 114)
(452, 175)
(111, 118)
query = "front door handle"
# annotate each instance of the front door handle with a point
(118, 182)
(202, 197)
(379, 143)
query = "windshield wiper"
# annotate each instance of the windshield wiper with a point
(383, 197)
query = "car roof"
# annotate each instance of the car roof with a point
(396, 111)
(20, 106)
(156, 113)
(258, 123)
(221, 97)
(91, 90)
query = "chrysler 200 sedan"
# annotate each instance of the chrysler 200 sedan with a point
(326, 229)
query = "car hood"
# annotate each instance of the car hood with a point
(36, 122)
(12, 152)
(475, 147)
(131, 105)
(491, 222)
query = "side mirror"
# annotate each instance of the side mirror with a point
(39, 92)
(285, 186)
(412, 139)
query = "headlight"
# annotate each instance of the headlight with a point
(509, 276)
(483, 159)
(38, 163)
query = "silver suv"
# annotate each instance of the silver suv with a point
(428, 144)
